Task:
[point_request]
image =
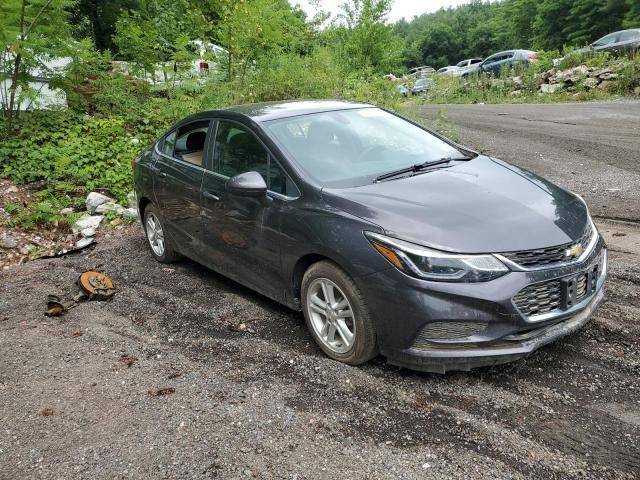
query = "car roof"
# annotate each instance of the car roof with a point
(261, 112)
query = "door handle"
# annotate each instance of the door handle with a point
(161, 174)
(212, 196)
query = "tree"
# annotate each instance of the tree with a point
(152, 33)
(31, 32)
(365, 38)
(591, 19)
(96, 19)
(548, 26)
(439, 44)
(250, 29)
(632, 17)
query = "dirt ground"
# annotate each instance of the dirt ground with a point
(185, 374)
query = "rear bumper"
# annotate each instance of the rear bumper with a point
(508, 349)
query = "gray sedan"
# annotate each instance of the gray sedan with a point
(389, 238)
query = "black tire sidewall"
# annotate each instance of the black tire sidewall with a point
(169, 255)
(364, 347)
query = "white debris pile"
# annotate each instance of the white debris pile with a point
(99, 206)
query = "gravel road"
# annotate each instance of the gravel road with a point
(185, 374)
(591, 148)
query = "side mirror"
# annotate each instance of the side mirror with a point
(248, 184)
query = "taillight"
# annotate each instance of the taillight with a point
(204, 66)
(533, 58)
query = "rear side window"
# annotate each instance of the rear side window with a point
(169, 144)
(190, 142)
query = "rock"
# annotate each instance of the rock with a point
(94, 200)
(604, 85)
(590, 83)
(517, 81)
(132, 200)
(608, 76)
(11, 189)
(7, 241)
(83, 242)
(4, 215)
(130, 213)
(88, 232)
(598, 73)
(66, 211)
(516, 93)
(550, 88)
(637, 91)
(110, 206)
(87, 221)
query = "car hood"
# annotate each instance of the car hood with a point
(480, 206)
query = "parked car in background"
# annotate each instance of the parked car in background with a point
(466, 65)
(451, 70)
(422, 85)
(387, 237)
(469, 62)
(500, 60)
(420, 72)
(624, 42)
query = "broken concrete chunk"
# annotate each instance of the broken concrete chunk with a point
(590, 83)
(547, 88)
(66, 211)
(110, 207)
(88, 232)
(85, 241)
(130, 213)
(94, 200)
(92, 221)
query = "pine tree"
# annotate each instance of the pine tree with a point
(548, 26)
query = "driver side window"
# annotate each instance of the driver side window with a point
(237, 150)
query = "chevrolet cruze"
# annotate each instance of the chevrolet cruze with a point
(389, 238)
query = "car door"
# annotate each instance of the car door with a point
(628, 41)
(242, 234)
(179, 172)
(494, 63)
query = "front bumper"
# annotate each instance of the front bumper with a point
(402, 307)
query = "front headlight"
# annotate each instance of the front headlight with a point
(429, 264)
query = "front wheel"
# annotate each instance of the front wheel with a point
(159, 242)
(337, 315)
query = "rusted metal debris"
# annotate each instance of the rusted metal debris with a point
(96, 285)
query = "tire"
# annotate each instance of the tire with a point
(165, 253)
(363, 344)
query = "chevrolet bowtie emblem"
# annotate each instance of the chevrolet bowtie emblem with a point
(574, 251)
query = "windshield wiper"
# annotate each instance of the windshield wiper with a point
(414, 169)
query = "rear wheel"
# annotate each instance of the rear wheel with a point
(159, 242)
(337, 315)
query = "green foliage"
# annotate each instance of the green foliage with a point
(478, 29)
(73, 154)
(31, 32)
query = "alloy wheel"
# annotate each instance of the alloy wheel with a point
(331, 315)
(155, 234)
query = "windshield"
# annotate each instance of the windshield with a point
(348, 148)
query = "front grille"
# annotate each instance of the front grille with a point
(560, 293)
(447, 331)
(539, 298)
(548, 257)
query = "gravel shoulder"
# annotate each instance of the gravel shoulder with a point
(591, 148)
(186, 374)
